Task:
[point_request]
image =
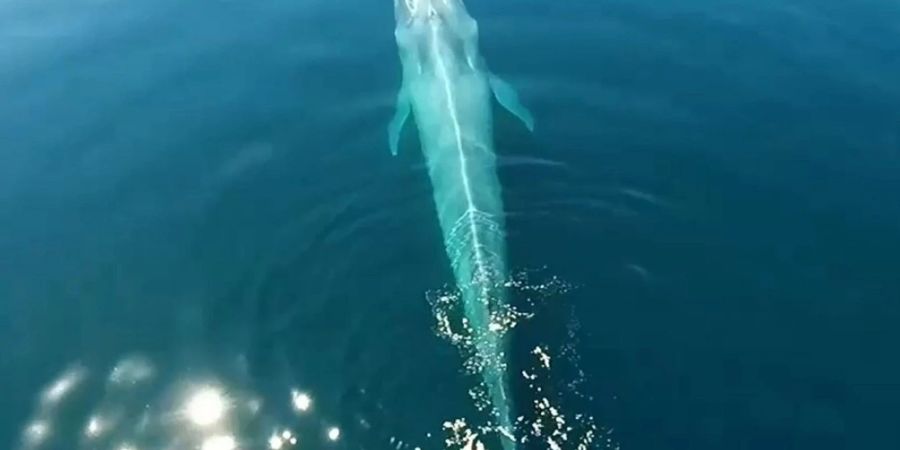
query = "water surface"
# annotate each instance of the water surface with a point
(209, 185)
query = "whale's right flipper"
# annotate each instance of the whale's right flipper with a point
(396, 125)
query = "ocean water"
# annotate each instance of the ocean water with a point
(201, 194)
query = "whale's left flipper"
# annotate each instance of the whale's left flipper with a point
(509, 98)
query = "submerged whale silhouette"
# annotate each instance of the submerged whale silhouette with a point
(448, 89)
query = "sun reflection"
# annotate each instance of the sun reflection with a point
(334, 433)
(206, 407)
(63, 385)
(140, 404)
(301, 400)
(94, 427)
(276, 442)
(36, 432)
(279, 440)
(131, 370)
(219, 442)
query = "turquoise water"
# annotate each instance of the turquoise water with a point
(209, 186)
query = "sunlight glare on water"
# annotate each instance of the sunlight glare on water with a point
(334, 433)
(206, 407)
(219, 442)
(36, 432)
(301, 400)
(64, 385)
(94, 427)
(221, 417)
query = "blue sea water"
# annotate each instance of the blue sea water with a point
(208, 185)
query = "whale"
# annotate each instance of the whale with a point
(447, 91)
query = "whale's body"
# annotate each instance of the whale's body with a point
(448, 90)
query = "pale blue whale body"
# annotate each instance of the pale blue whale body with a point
(448, 89)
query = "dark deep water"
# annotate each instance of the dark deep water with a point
(208, 184)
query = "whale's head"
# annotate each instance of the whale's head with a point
(422, 22)
(418, 12)
(447, 15)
